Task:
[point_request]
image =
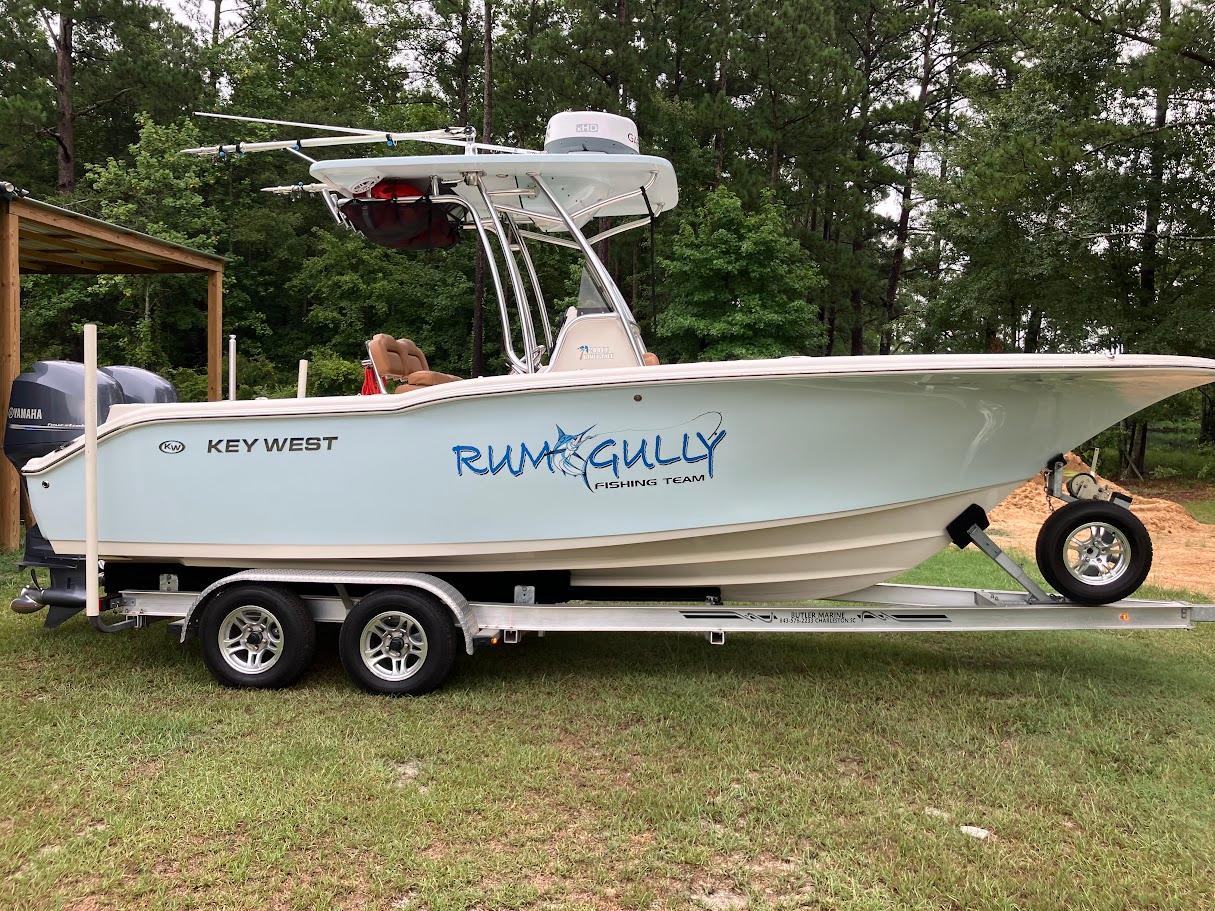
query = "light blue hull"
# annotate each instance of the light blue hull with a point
(798, 483)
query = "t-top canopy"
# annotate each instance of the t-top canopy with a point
(586, 184)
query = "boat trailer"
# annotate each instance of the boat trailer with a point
(882, 608)
(401, 631)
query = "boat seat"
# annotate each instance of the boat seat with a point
(401, 359)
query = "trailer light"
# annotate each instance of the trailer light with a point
(1124, 617)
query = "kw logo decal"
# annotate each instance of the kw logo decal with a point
(605, 460)
(172, 447)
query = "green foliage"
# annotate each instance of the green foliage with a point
(130, 56)
(349, 290)
(737, 285)
(191, 385)
(330, 374)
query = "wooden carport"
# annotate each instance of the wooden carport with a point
(40, 239)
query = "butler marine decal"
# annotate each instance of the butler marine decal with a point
(606, 459)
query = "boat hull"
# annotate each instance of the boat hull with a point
(769, 480)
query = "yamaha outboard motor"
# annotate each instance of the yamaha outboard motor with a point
(46, 408)
(45, 413)
(141, 387)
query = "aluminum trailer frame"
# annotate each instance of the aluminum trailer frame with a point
(880, 608)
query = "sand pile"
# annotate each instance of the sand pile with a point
(1184, 547)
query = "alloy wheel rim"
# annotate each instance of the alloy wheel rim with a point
(1097, 553)
(393, 645)
(250, 639)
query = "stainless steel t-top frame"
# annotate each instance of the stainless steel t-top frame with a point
(511, 238)
(502, 220)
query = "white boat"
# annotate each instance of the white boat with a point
(784, 479)
(590, 470)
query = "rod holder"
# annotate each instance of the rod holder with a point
(92, 592)
(232, 368)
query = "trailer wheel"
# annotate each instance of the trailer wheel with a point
(1094, 552)
(259, 636)
(398, 642)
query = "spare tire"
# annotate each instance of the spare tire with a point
(1094, 552)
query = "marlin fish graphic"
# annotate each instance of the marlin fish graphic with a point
(566, 446)
(579, 449)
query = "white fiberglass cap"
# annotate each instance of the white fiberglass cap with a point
(590, 131)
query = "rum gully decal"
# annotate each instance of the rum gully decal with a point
(606, 460)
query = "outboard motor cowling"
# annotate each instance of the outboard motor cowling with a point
(142, 387)
(46, 408)
(45, 413)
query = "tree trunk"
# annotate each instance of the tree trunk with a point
(1155, 190)
(719, 139)
(487, 124)
(914, 142)
(1033, 332)
(66, 115)
(861, 152)
(464, 62)
(622, 18)
(991, 337)
(1206, 427)
(1134, 449)
(934, 287)
(857, 334)
(215, 22)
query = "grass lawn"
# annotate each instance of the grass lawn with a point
(1202, 510)
(817, 771)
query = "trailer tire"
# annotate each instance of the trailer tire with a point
(398, 642)
(1094, 552)
(258, 636)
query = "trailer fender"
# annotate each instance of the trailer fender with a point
(442, 591)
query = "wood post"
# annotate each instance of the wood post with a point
(215, 330)
(10, 366)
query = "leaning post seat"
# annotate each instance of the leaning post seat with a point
(401, 359)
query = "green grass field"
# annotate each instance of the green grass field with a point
(1202, 510)
(824, 772)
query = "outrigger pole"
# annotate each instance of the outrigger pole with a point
(465, 137)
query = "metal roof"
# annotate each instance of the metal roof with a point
(53, 240)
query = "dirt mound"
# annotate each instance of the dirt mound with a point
(1184, 547)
